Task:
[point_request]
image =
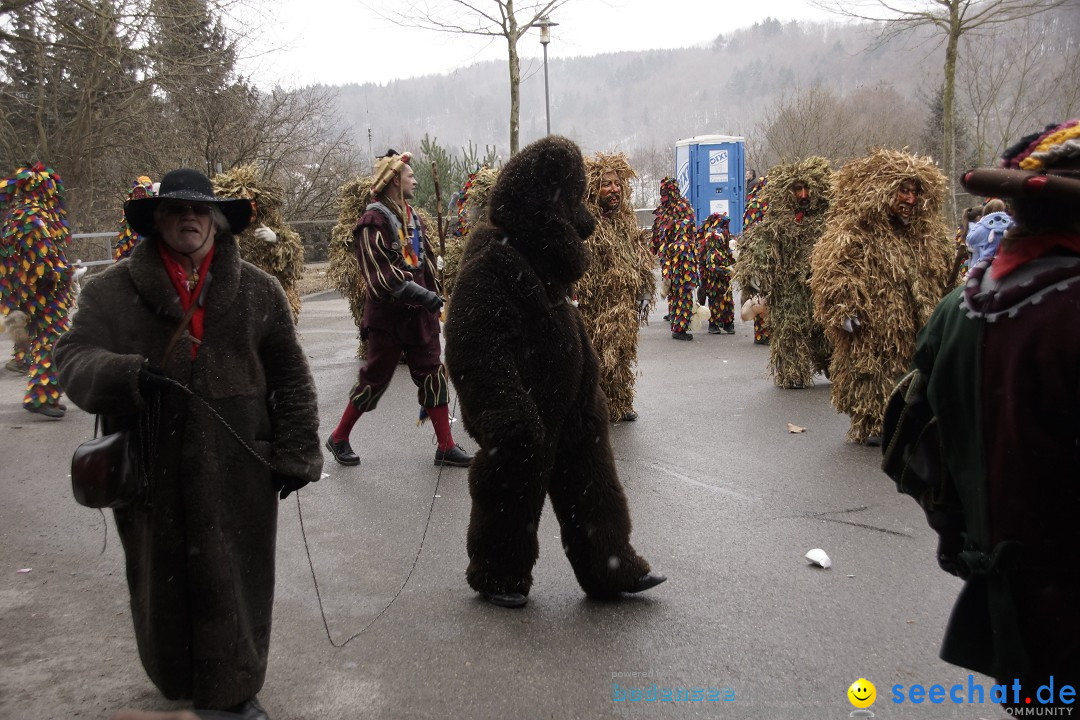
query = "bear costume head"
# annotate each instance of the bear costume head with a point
(539, 205)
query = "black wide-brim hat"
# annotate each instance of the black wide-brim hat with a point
(191, 186)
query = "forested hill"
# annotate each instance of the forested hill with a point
(790, 88)
(642, 99)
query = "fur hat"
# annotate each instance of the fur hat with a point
(1044, 164)
(190, 185)
(386, 168)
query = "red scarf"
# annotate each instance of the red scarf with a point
(1027, 249)
(179, 279)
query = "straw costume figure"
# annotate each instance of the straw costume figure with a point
(674, 241)
(35, 277)
(268, 243)
(471, 209)
(344, 269)
(716, 267)
(615, 293)
(127, 239)
(528, 381)
(775, 261)
(756, 206)
(878, 271)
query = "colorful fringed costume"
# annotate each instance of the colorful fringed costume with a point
(756, 206)
(775, 260)
(618, 288)
(35, 276)
(715, 271)
(282, 258)
(674, 241)
(875, 280)
(127, 239)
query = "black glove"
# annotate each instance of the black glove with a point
(702, 298)
(152, 381)
(285, 484)
(411, 293)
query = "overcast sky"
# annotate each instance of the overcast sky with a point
(341, 41)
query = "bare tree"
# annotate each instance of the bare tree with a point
(1016, 78)
(952, 19)
(820, 121)
(493, 19)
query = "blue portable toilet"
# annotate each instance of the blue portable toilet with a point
(711, 173)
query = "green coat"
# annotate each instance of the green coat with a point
(1002, 365)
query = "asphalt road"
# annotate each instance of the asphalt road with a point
(725, 502)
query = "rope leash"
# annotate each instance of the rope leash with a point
(303, 530)
(419, 550)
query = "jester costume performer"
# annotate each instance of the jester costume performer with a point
(674, 241)
(401, 310)
(775, 261)
(877, 273)
(716, 264)
(615, 293)
(35, 277)
(756, 206)
(127, 239)
(344, 270)
(268, 243)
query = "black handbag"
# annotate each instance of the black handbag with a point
(106, 472)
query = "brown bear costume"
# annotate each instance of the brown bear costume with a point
(527, 380)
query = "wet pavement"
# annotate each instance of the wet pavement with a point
(725, 502)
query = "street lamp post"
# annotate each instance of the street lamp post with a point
(545, 26)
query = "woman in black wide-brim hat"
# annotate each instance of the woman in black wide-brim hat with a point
(181, 312)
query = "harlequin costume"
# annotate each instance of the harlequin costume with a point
(1002, 382)
(775, 259)
(616, 291)
(35, 276)
(282, 257)
(716, 264)
(756, 206)
(674, 241)
(401, 312)
(875, 280)
(127, 239)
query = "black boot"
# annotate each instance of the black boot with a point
(729, 328)
(682, 336)
(649, 580)
(714, 329)
(454, 457)
(342, 451)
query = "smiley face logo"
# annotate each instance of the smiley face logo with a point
(862, 693)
